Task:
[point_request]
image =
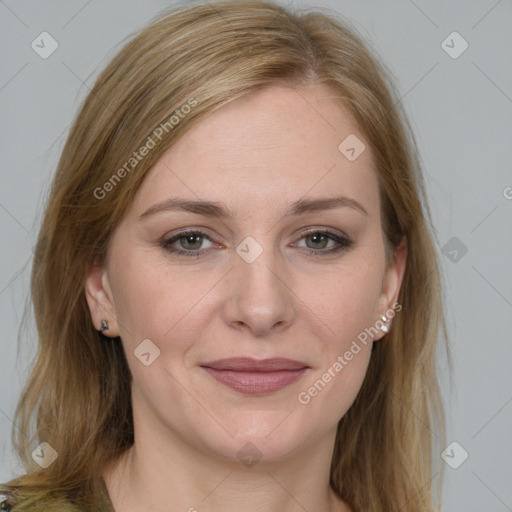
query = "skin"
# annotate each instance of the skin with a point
(256, 155)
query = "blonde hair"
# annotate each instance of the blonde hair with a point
(205, 56)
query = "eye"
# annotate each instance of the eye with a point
(190, 241)
(318, 240)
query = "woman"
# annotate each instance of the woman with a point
(235, 283)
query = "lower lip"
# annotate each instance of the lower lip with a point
(256, 383)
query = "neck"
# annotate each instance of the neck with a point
(154, 476)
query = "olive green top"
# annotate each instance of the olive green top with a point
(19, 500)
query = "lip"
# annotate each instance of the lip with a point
(254, 377)
(247, 364)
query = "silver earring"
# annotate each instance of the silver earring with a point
(104, 326)
(384, 328)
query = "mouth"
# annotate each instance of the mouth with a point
(255, 377)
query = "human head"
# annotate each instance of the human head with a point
(176, 60)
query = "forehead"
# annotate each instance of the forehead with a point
(265, 150)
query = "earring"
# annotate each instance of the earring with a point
(384, 328)
(104, 326)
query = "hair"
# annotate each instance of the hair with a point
(204, 56)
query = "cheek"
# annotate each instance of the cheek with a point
(156, 303)
(346, 301)
(332, 388)
(346, 307)
(346, 348)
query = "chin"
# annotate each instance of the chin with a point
(261, 438)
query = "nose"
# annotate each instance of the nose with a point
(258, 297)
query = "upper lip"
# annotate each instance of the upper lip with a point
(247, 364)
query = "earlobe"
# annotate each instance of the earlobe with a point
(391, 287)
(100, 301)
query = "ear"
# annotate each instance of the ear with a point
(391, 284)
(101, 301)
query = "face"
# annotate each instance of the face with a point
(270, 278)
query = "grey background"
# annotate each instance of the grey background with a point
(461, 111)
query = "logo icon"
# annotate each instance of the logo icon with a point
(147, 352)
(249, 455)
(351, 147)
(454, 249)
(249, 249)
(454, 45)
(454, 455)
(44, 45)
(44, 455)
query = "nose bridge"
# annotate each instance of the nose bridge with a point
(259, 296)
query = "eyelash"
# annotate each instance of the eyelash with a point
(344, 243)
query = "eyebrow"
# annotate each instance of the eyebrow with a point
(217, 210)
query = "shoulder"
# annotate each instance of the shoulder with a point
(14, 499)
(20, 498)
(7, 498)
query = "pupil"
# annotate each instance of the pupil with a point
(190, 240)
(318, 238)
